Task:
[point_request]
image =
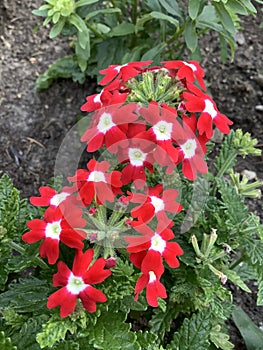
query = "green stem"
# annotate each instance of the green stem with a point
(98, 34)
(22, 251)
(134, 11)
(237, 262)
(224, 167)
(117, 14)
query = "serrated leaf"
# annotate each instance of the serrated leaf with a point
(68, 345)
(55, 330)
(5, 342)
(193, 334)
(111, 332)
(260, 292)
(236, 279)
(251, 334)
(193, 8)
(146, 339)
(27, 295)
(161, 321)
(220, 339)
(122, 29)
(190, 35)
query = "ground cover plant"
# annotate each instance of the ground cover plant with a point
(145, 238)
(134, 30)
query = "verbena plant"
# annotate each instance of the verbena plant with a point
(106, 32)
(143, 241)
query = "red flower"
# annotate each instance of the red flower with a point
(163, 123)
(155, 203)
(190, 71)
(191, 149)
(155, 243)
(122, 72)
(50, 197)
(150, 279)
(57, 225)
(104, 98)
(78, 283)
(200, 102)
(96, 183)
(109, 127)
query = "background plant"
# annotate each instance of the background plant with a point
(223, 241)
(117, 32)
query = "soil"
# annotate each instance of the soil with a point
(34, 124)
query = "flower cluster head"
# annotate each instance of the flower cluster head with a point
(145, 118)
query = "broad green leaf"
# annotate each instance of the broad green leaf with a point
(171, 6)
(122, 29)
(56, 17)
(78, 22)
(251, 334)
(225, 18)
(6, 343)
(154, 52)
(40, 13)
(190, 35)
(156, 15)
(249, 6)
(57, 28)
(55, 330)
(208, 14)
(193, 8)
(237, 7)
(236, 279)
(85, 3)
(193, 334)
(102, 12)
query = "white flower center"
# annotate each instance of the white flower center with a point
(157, 243)
(58, 198)
(97, 98)
(163, 130)
(210, 109)
(136, 156)
(76, 284)
(152, 277)
(189, 148)
(157, 203)
(118, 68)
(53, 230)
(96, 176)
(105, 123)
(190, 65)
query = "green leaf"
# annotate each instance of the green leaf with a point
(27, 295)
(78, 22)
(251, 334)
(193, 8)
(111, 332)
(236, 279)
(57, 28)
(146, 339)
(68, 345)
(157, 15)
(260, 291)
(161, 321)
(40, 13)
(102, 12)
(55, 330)
(190, 35)
(220, 339)
(171, 6)
(249, 6)
(5, 343)
(85, 3)
(237, 7)
(66, 67)
(193, 334)
(225, 18)
(153, 53)
(122, 29)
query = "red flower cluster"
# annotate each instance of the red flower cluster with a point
(142, 123)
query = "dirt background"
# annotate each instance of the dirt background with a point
(33, 125)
